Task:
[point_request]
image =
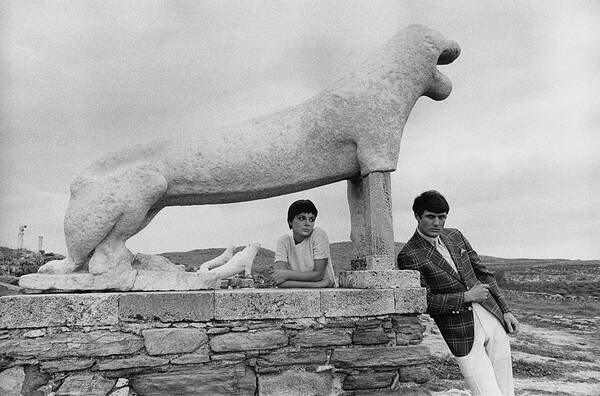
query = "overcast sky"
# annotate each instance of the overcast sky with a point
(515, 148)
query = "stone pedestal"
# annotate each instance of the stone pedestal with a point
(215, 342)
(372, 235)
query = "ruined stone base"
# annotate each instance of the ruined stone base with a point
(382, 279)
(375, 262)
(217, 342)
(134, 280)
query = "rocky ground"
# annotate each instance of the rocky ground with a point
(553, 354)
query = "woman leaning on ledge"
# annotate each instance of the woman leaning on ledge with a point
(302, 258)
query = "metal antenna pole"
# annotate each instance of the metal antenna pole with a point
(20, 236)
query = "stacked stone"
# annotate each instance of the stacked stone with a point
(328, 341)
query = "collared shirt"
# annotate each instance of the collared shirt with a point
(440, 247)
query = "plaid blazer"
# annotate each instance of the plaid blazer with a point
(445, 288)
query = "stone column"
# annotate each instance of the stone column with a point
(372, 234)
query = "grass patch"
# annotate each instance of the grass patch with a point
(525, 369)
(583, 309)
(445, 368)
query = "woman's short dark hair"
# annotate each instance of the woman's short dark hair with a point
(432, 201)
(300, 206)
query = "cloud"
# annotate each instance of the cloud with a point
(518, 133)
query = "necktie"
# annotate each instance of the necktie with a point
(445, 253)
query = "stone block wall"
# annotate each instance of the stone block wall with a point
(222, 342)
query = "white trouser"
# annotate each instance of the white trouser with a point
(487, 368)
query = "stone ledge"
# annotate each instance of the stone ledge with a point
(266, 303)
(410, 300)
(46, 310)
(184, 306)
(26, 311)
(357, 302)
(379, 279)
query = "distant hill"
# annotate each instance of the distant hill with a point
(343, 252)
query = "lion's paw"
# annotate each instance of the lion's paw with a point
(57, 267)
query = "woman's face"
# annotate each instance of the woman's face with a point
(302, 226)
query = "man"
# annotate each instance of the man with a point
(463, 298)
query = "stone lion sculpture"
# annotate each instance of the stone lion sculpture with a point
(352, 128)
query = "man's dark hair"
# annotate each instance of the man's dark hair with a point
(432, 201)
(300, 206)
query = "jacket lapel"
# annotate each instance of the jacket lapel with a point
(436, 258)
(454, 250)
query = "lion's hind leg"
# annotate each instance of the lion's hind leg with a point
(134, 192)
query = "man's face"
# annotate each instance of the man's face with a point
(430, 223)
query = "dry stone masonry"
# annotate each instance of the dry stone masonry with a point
(218, 342)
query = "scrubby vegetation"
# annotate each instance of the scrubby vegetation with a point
(17, 262)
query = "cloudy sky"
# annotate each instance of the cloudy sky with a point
(515, 148)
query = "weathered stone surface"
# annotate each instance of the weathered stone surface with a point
(85, 384)
(164, 280)
(317, 356)
(417, 374)
(36, 383)
(411, 300)
(125, 391)
(130, 280)
(372, 234)
(382, 279)
(11, 381)
(240, 328)
(73, 282)
(372, 380)
(408, 328)
(171, 341)
(232, 342)
(369, 323)
(369, 337)
(218, 330)
(266, 303)
(380, 356)
(56, 366)
(94, 343)
(9, 279)
(324, 337)
(132, 362)
(167, 306)
(208, 379)
(357, 302)
(35, 333)
(7, 289)
(153, 262)
(201, 355)
(30, 311)
(295, 382)
(233, 356)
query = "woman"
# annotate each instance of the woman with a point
(302, 259)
